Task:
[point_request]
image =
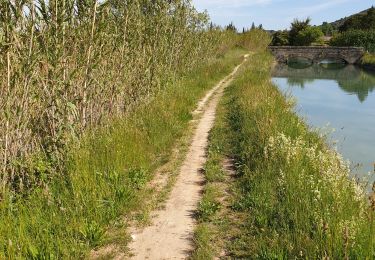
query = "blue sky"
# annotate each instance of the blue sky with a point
(278, 14)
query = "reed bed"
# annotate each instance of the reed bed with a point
(69, 65)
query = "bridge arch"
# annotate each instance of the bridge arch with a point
(328, 56)
(294, 57)
(298, 62)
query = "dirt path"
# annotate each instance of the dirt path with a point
(170, 236)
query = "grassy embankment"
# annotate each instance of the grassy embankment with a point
(291, 196)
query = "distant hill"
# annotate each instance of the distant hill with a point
(337, 24)
(364, 20)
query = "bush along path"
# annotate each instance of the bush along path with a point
(170, 235)
(290, 196)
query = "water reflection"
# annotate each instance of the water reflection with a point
(362, 86)
(351, 79)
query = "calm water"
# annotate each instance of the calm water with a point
(341, 96)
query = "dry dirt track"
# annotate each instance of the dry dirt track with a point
(170, 235)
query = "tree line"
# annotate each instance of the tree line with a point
(357, 30)
(301, 33)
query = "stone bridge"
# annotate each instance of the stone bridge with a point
(315, 54)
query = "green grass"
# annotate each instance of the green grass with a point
(106, 174)
(368, 59)
(292, 197)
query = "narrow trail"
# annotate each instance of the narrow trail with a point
(171, 234)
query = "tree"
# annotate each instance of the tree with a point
(280, 38)
(359, 38)
(231, 27)
(369, 19)
(253, 26)
(296, 28)
(300, 34)
(260, 27)
(360, 21)
(327, 29)
(308, 35)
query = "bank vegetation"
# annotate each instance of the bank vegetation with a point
(291, 196)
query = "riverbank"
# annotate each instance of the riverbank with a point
(368, 61)
(291, 196)
(107, 174)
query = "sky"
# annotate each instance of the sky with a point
(278, 14)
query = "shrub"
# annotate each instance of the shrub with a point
(308, 36)
(368, 59)
(280, 38)
(327, 29)
(296, 27)
(255, 39)
(359, 38)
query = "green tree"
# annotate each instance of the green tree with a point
(359, 38)
(369, 19)
(296, 27)
(253, 26)
(327, 29)
(280, 38)
(360, 21)
(308, 36)
(231, 27)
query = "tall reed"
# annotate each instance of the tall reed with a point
(67, 65)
